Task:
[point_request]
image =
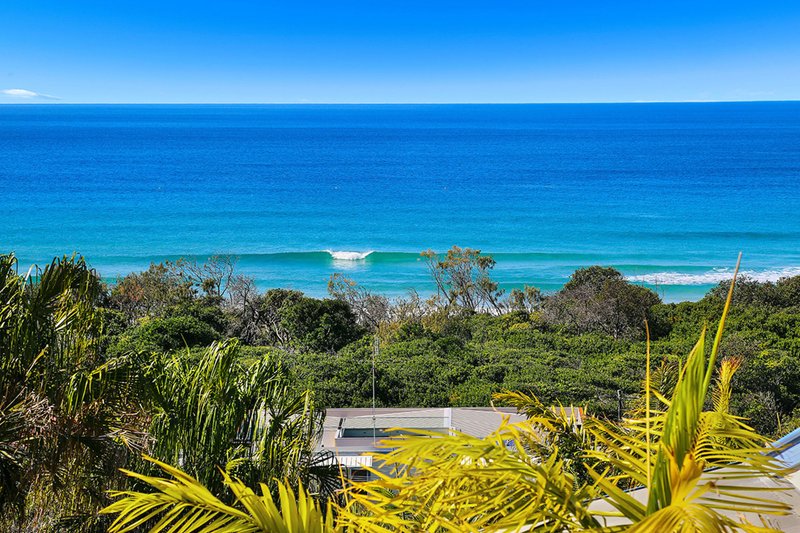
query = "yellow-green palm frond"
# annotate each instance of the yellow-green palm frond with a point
(721, 395)
(693, 464)
(560, 429)
(434, 482)
(182, 504)
(552, 419)
(692, 518)
(661, 381)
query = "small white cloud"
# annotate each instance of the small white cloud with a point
(20, 93)
(25, 93)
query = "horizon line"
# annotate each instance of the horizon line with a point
(604, 102)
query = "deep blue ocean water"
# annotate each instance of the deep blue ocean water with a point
(668, 193)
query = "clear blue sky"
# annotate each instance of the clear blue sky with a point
(398, 51)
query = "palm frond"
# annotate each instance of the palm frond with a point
(463, 483)
(695, 454)
(182, 504)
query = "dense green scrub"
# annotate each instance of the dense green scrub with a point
(514, 352)
(584, 345)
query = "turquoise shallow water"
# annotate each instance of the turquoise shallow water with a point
(668, 193)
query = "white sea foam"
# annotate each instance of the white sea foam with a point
(712, 277)
(348, 256)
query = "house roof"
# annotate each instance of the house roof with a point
(394, 421)
(476, 421)
(480, 423)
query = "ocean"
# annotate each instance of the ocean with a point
(667, 193)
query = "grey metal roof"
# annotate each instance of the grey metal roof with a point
(344, 412)
(394, 421)
(480, 423)
(475, 421)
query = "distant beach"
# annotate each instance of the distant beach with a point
(667, 193)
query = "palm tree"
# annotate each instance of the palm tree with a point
(688, 464)
(61, 431)
(185, 502)
(217, 411)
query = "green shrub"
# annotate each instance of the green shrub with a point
(320, 325)
(166, 335)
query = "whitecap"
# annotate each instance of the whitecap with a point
(342, 255)
(712, 277)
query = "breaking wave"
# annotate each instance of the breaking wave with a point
(712, 277)
(348, 256)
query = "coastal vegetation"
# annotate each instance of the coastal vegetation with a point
(181, 361)
(683, 467)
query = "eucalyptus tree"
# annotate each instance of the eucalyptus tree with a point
(371, 309)
(463, 279)
(151, 292)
